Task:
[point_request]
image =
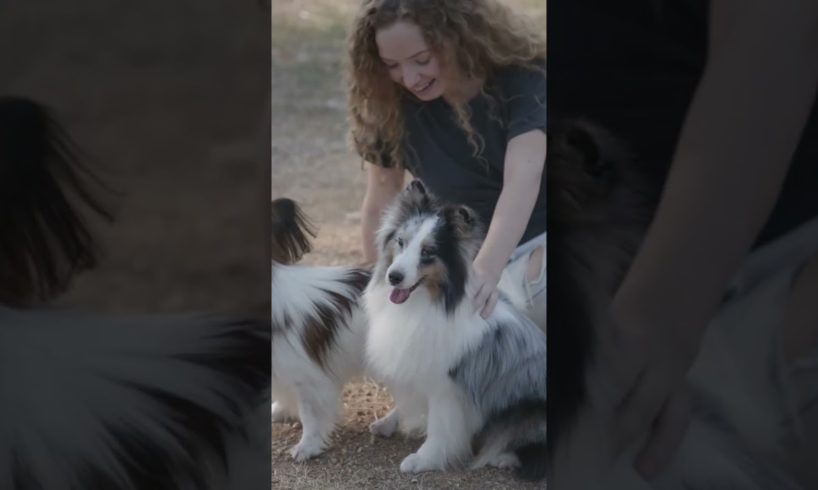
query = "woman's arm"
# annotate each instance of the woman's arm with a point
(382, 186)
(732, 157)
(733, 154)
(524, 164)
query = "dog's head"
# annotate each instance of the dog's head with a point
(592, 180)
(427, 243)
(291, 231)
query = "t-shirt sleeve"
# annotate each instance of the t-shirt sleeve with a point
(524, 93)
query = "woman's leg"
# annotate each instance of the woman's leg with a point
(800, 350)
(536, 286)
(769, 326)
(524, 279)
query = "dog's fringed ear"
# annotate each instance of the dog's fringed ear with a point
(464, 220)
(581, 139)
(45, 193)
(417, 188)
(291, 231)
(416, 198)
(417, 194)
(581, 172)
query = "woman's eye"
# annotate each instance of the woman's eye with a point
(424, 61)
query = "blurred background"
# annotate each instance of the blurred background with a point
(169, 100)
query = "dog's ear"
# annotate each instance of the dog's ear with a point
(416, 188)
(291, 231)
(583, 141)
(464, 220)
(416, 198)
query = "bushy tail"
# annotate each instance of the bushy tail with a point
(126, 402)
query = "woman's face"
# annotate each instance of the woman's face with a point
(411, 62)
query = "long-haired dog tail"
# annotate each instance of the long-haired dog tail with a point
(130, 402)
(291, 231)
(44, 189)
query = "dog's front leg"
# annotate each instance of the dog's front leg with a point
(408, 414)
(448, 432)
(318, 411)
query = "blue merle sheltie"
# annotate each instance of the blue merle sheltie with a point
(91, 400)
(475, 387)
(319, 330)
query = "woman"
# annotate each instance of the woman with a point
(454, 92)
(718, 99)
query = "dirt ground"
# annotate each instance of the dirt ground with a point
(312, 164)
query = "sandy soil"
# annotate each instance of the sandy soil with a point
(311, 164)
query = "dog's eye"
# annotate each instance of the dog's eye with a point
(427, 253)
(399, 241)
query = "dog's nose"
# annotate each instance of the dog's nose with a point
(395, 277)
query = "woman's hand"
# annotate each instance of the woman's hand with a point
(522, 175)
(742, 127)
(649, 363)
(482, 286)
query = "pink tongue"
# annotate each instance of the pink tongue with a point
(398, 296)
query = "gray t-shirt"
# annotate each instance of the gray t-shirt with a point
(442, 157)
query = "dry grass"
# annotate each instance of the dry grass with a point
(312, 164)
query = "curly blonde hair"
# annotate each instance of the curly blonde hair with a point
(486, 35)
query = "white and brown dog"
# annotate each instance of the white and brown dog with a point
(318, 332)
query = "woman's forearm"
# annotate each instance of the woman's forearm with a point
(508, 224)
(732, 157)
(521, 186)
(383, 184)
(368, 230)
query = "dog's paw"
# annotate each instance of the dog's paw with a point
(417, 463)
(305, 450)
(384, 426)
(414, 428)
(505, 460)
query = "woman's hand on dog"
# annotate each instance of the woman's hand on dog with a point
(649, 363)
(482, 287)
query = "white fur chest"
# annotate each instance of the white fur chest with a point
(416, 343)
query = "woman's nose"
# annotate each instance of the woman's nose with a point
(410, 77)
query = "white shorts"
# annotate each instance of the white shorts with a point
(528, 296)
(741, 364)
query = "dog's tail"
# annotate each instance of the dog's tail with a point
(520, 429)
(291, 231)
(160, 402)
